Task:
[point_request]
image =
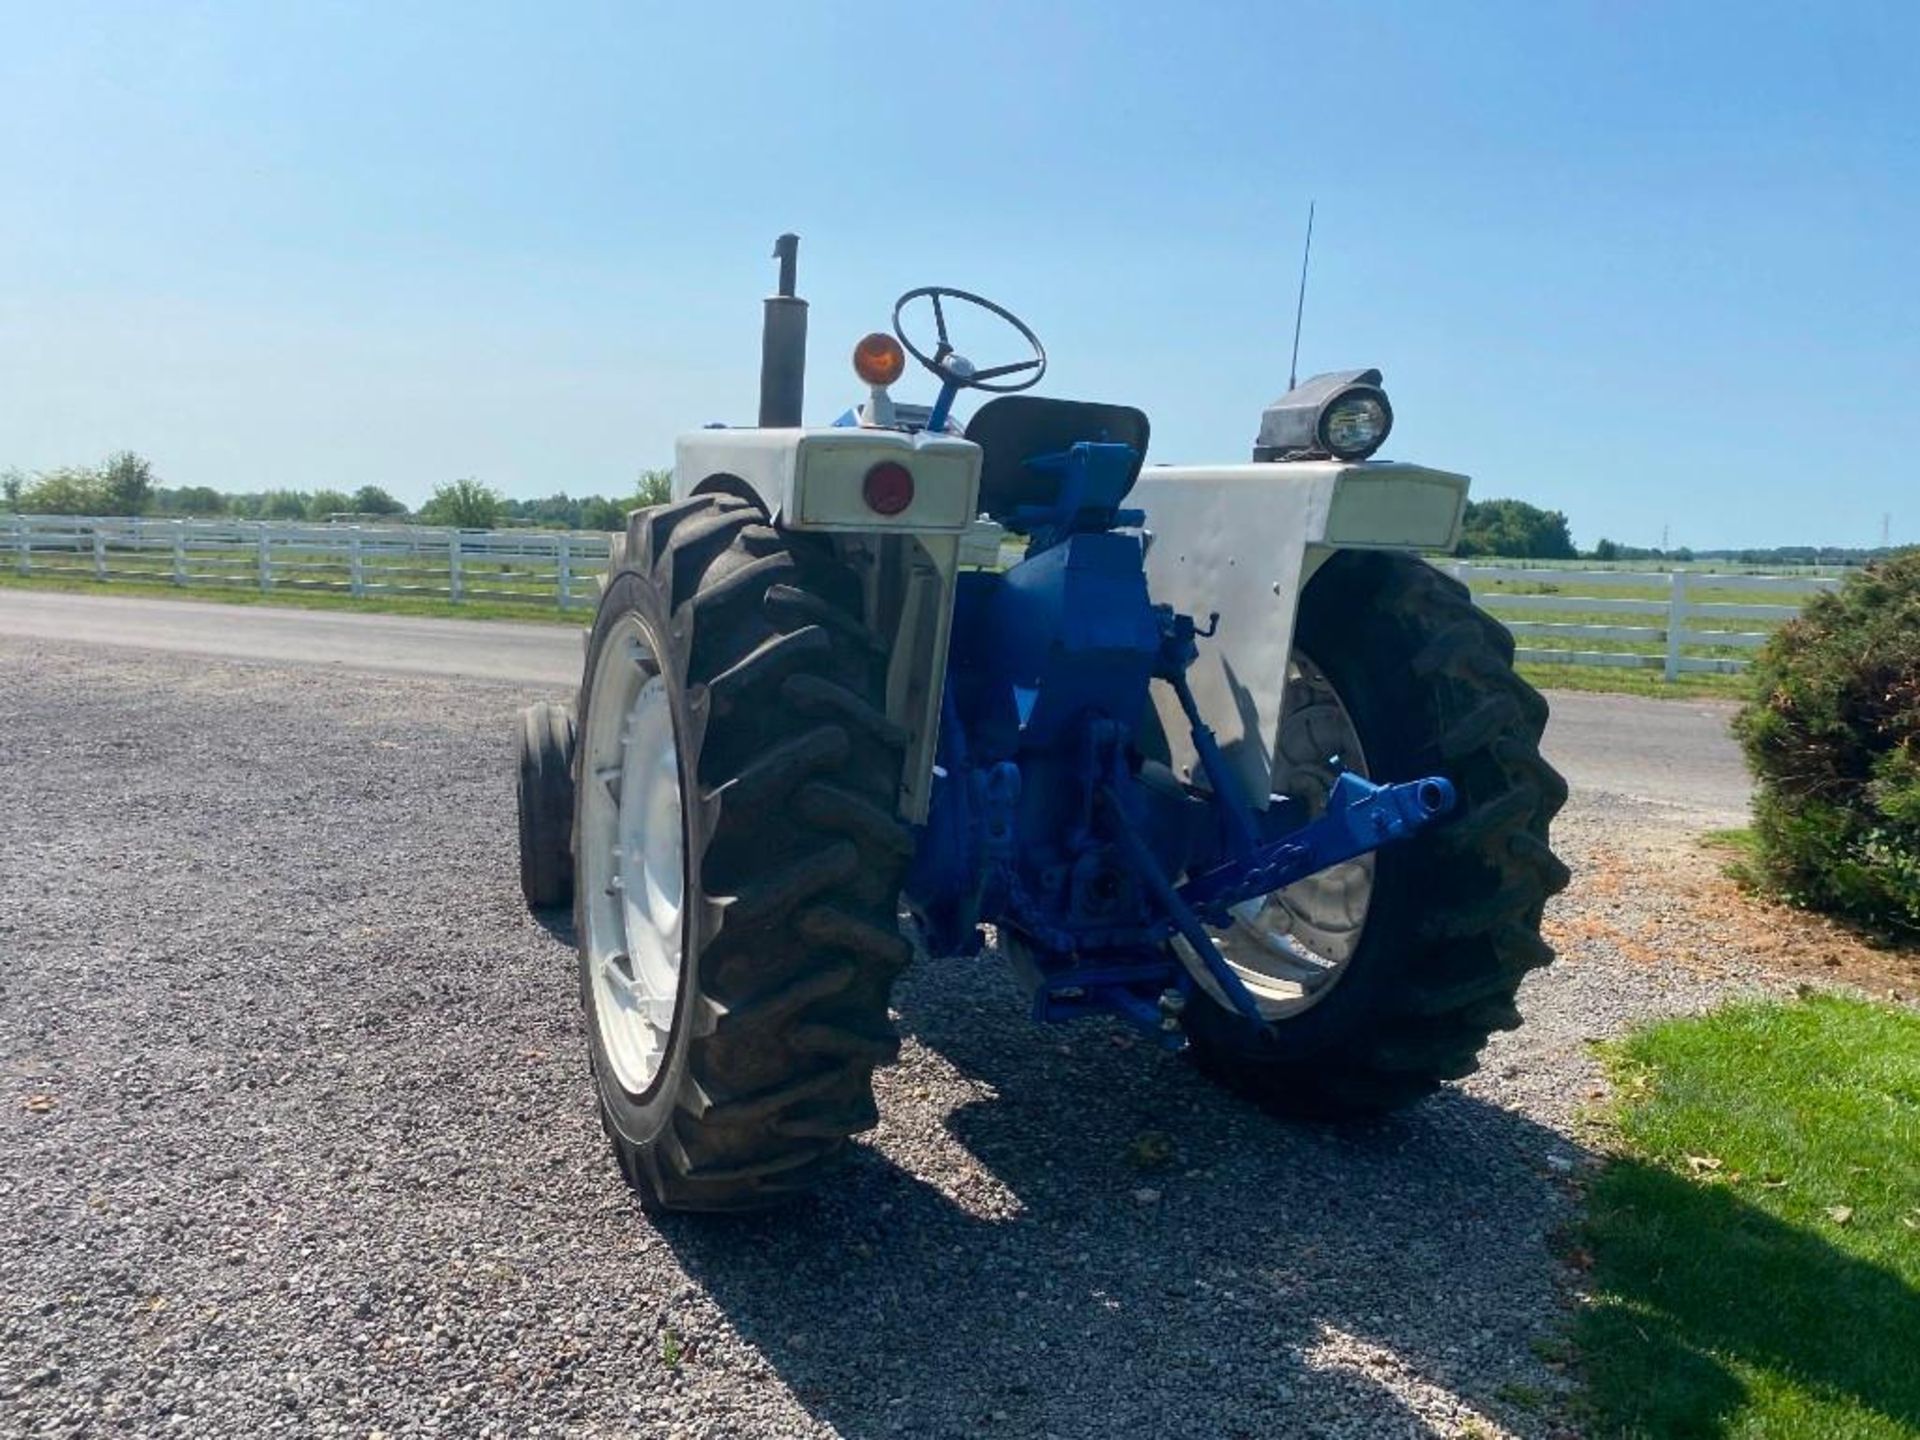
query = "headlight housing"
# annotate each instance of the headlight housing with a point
(1343, 415)
(1355, 425)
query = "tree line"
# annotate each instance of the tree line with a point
(125, 484)
(1515, 530)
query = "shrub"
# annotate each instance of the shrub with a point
(1833, 736)
(372, 500)
(324, 504)
(655, 488)
(282, 505)
(126, 484)
(467, 504)
(599, 513)
(1514, 529)
(71, 490)
(190, 500)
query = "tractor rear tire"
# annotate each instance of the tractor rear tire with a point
(545, 801)
(1453, 922)
(791, 857)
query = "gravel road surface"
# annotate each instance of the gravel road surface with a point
(349, 639)
(296, 1137)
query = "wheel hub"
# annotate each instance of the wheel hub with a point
(1291, 948)
(633, 861)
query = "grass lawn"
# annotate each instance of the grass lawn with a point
(1755, 1246)
(1609, 680)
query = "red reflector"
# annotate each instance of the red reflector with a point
(888, 488)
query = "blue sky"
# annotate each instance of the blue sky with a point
(1649, 264)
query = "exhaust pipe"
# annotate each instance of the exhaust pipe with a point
(783, 345)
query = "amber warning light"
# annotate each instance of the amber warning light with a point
(878, 359)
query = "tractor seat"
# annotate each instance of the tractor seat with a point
(1014, 428)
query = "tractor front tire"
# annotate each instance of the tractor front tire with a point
(790, 857)
(544, 798)
(1452, 923)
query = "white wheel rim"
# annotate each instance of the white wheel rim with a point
(1291, 948)
(632, 864)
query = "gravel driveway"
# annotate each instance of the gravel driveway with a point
(296, 1138)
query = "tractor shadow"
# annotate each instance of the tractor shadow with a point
(1695, 1273)
(1031, 1270)
(557, 921)
(1012, 1274)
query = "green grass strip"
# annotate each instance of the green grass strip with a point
(1756, 1247)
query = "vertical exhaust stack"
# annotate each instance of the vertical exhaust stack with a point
(783, 345)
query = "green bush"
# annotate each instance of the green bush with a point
(1514, 529)
(467, 504)
(126, 484)
(122, 485)
(324, 504)
(70, 490)
(1833, 736)
(282, 505)
(190, 500)
(372, 500)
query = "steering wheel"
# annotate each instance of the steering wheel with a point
(956, 372)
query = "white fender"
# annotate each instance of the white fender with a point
(1242, 541)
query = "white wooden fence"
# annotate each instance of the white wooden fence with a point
(530, 567)
(1679, 622)
(1695, 611)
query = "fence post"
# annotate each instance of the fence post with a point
(266, 559)
(179, 552)
(99, 553)
(1676, 620)
(23, 542)
(453, 567)
(356, 573)
(564, 568)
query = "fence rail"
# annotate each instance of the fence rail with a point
(1676, 622)
(1691, 629)
(531, 567)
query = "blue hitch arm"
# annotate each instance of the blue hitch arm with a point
(1187, 924)
(1360, 817)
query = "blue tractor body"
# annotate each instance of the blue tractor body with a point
(1052, 820)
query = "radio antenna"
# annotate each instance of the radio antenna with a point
(1300, 305)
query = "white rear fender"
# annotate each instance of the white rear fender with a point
(1242, 541)
(812, 480)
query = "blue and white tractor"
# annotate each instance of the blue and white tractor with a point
(1209, 749)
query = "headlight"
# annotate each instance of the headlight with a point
(1356, 424)
(1343, 415)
